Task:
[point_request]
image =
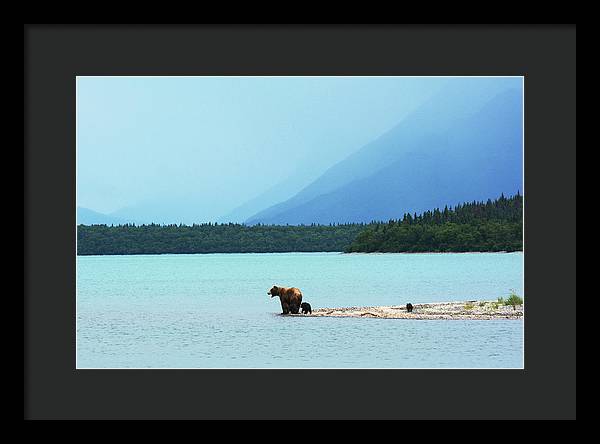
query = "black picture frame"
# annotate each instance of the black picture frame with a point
(55, 54)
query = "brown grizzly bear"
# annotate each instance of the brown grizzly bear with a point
(290, 298)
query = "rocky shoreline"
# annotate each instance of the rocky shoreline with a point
(466, 310)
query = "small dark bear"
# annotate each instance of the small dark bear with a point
(409, 307)
(306, 308)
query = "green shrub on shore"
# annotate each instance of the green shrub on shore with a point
(514, 300)
(469, 306)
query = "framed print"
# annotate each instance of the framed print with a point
(232, 212)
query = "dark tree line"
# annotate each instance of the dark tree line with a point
(213, 238)
(475, 226)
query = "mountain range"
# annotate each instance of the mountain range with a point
(465, 143)
(85, 216)
(462, 145)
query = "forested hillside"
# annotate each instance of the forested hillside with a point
(477, 226)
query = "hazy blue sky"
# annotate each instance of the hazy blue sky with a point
(193, 148)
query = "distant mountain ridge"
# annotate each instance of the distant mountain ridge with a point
(85, 216)
(276, 193)
(465, 144)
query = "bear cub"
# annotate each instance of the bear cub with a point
(306, 308)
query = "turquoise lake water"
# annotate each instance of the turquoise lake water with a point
(212, 311)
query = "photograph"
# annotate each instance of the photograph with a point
(299, 222)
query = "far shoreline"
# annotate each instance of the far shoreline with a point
(301, 252)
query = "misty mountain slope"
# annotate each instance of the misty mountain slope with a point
(478, 157)
(174, 209)
(438, 115)
(86, 216)
(277, 193)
